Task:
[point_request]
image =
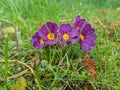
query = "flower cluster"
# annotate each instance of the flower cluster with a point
(51, 34)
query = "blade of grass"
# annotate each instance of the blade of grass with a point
(6, 59)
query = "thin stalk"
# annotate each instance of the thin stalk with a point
(6, 59)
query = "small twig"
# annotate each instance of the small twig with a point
(22, 63)
(80, 68)
(65, 20)
(99, 21)
(26, 65)
(69, 85)
(17, 75)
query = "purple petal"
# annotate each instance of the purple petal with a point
(42, 35)
(73, 41)
(43, 30)
(81, 24)
(91, 35)
(90, 42)
(37, 35)
(41, 46)
(77, 20)
(73, 33)
(74, 36)
(85, 47)
(37, 45)
(50, 26)
(34, 38)
(65, 28)
(65, 41)
(86, 28)
(53, 28)
(35, 41)
(50, 42)
(87, 44)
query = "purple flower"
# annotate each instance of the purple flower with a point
(87, 37)
(37, 41)
(68, 34)
(82, 32)
(49, 33)
(79, 23)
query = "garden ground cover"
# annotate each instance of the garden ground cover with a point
(62, 68)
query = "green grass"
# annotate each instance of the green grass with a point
(60, 68)
(6, 59)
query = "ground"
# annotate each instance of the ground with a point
(59, 68)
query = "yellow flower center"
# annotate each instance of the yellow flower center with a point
(66, 36)
(82, 37)
(50, 36)
(41, 41)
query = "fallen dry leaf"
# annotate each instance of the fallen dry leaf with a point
(91, 66)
